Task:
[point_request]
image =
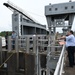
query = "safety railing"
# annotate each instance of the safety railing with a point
(38, 45)
(60, 63)
(26, 43)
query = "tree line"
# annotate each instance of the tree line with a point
(3, 33)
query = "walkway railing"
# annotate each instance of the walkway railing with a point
(28, 43)
(49, 59)
(60, 63)
(35, 45)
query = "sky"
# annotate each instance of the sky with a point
(35, 8)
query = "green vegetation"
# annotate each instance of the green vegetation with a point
(4, 33)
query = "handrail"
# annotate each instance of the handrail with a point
(59, 61)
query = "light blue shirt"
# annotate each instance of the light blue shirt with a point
(13, 35)
(70, 40)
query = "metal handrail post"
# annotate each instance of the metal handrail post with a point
(1, 49)
(0, 44)
(27, 44)
(34, 44)
(16, 45)
(48, 59)
(9, 44)
(37, 59)
(17, 50)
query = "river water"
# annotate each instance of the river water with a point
(3, 41)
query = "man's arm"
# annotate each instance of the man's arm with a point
(63, 37)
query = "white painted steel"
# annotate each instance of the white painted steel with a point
(59, 65)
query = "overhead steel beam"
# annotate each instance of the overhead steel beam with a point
(14, 7)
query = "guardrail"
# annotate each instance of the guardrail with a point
(28, 43)
(60, 63)
(33, 45)
(37, 45)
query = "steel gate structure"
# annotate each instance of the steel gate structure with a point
(39, 54)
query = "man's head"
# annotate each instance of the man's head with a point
(7, 33)
(13, 32)
(70, 32)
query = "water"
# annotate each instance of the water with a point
(3, 41)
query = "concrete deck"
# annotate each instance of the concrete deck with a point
(68, 70)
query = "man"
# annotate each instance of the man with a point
(13, 36)
(6, 38)
(70, 44)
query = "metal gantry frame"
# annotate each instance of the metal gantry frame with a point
(57, 15)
